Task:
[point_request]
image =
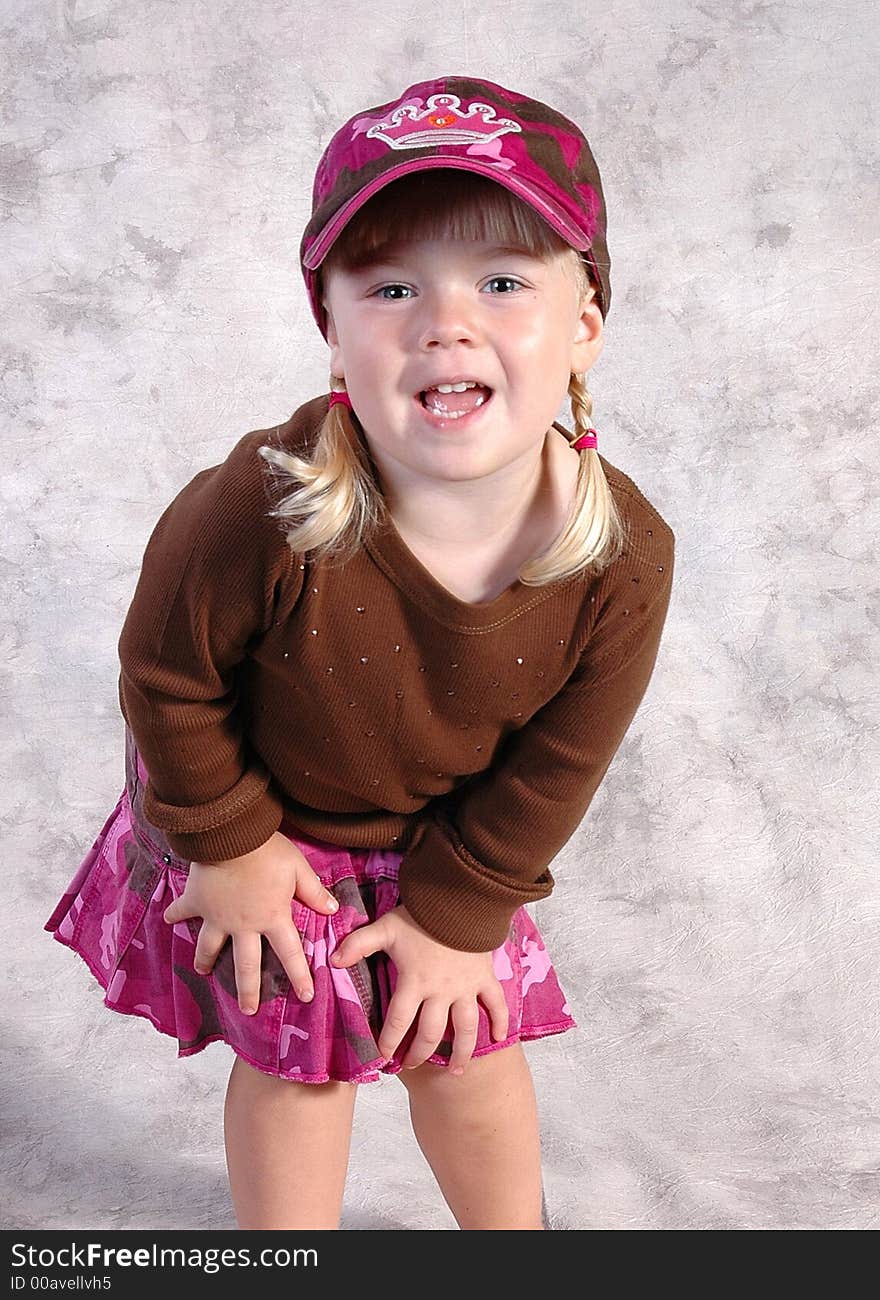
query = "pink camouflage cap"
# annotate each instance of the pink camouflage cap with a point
(476, 126)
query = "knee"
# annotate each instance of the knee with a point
(438, 1080)
(247, 1079)
(486, 1080)
(428, 1075)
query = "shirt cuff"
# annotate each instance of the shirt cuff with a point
(459, 901)
(216, 832)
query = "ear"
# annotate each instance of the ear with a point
(589, 336)
(337, 366)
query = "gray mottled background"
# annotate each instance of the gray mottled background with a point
(715, 920)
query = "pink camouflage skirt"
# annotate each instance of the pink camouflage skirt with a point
(112, 915)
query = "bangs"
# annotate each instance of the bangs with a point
(444, 203)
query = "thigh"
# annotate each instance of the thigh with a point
(495, 1089)
(481, 1072)
(479, 1132)
(287, 1149)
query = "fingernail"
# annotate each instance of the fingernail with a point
(305, 995)
(458, 1070)
(332, 903)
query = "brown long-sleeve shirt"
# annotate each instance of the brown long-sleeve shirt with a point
(371, 707)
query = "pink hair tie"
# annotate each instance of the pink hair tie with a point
(586, 440)
(340, 396)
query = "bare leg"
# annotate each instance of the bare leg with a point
(287, 1149)
(479, 1133)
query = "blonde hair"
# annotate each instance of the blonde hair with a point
(336, 499)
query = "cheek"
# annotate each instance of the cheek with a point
(544, 374)
(542, 338)
(543, 367)
(369, 353)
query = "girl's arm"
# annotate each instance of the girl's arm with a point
(215, 573)
(488, 851)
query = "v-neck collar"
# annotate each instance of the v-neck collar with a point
(389, 550)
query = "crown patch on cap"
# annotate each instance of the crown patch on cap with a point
(407, 128)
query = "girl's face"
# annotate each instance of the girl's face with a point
(435, 311)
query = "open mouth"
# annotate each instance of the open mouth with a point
(458, 403)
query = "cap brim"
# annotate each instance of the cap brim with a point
(537, 198)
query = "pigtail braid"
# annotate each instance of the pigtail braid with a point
(336, 500)
(594, 534)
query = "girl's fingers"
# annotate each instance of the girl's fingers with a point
(289, 951)
(402, 1011)
(208, 946)
(432, 1027)
(495, 1002)
(363, 941)
(465, 1023)
(247, 954)
(312, 893)
(179, 910)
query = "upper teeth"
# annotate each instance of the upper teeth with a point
(456, 388)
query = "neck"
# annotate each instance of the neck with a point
(496, 511)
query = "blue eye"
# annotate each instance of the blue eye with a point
(504, 279)
(496, 279)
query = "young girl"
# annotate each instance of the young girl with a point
(376, 665)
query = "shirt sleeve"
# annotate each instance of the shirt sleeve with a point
(214, 572)
(484, 855)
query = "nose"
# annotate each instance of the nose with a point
(448, 318)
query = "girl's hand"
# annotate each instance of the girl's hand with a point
(438, 979)
(247, 897)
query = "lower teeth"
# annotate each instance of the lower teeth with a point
(453, 415)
